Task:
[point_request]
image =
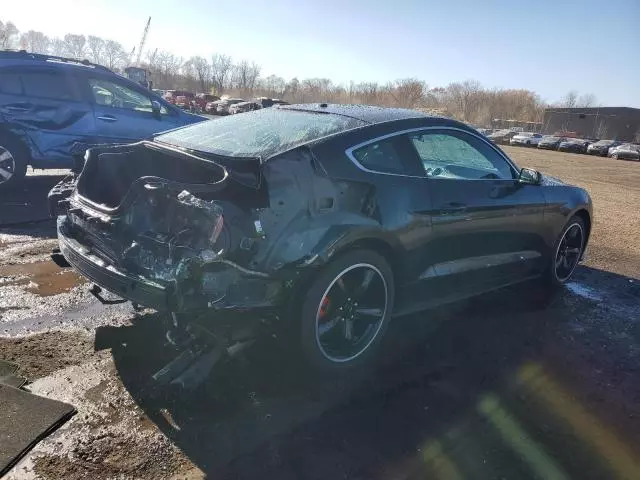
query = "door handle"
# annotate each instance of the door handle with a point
(107, 118)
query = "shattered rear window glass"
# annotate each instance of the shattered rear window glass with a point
(260, 133)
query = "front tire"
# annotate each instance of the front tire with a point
(567, 252)
(13, 163)
(346, 311)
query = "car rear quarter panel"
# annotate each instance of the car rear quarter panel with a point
(311, 216)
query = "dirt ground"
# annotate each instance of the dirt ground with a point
(505, 386)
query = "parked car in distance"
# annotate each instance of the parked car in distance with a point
(502, 136)
(242, 107)
(201, 100)
(526, 139)
(573, 145)
(550, 142)
(185, 101)
(249, 197)
(73, 105)
(222, 106)
(172, 95)
(626, 151)
(212, 107)
(601, 147)
(266, 102)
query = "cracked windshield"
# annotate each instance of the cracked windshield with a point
(319, 240)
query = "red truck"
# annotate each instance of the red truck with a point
(201, 99)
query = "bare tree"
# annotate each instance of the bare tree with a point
(8, 34)
(202, 71)
(570, 100)
(587, 100)
(57, 47)
(75, 45)
(35, 42)
(409, 93)
(114, 55)
(221, 66)
(273, 86)
(95, 47)
(252, 75)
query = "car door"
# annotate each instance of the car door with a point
(486, 223)
(403, 206)
(123, 112)
(44, 107)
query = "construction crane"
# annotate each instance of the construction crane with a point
(135, 72)
(142, 41)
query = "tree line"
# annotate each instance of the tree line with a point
(468, 100)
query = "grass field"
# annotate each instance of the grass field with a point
(614, 186)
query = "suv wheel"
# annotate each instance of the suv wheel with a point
(13, 165)
(346, 311)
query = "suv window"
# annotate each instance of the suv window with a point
(10, 83)
(54, 85)
(382, 156)
(112, 94)
(456, 155)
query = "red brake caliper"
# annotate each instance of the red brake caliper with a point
(324, 308)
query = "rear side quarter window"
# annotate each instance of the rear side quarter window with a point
(48, 84)
(393, 155)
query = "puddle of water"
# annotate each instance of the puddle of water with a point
(40, 278)
(584, 291)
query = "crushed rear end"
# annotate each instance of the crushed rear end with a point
(166, 229)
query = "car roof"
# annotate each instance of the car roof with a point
(365, 113)
(21, 58)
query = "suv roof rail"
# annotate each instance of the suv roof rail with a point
(45, 57)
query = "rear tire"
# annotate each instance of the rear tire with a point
(13, 163)
(346, 312)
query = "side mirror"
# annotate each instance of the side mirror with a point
(155, 108)
(530, 176)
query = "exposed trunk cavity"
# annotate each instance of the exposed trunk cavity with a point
(111, 172)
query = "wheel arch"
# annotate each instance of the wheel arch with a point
(584, 215)
(20, 141)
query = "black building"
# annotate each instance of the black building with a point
(616, 123)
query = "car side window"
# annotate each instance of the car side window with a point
(53, 85)
(456, 155)
(113, 94)
(382, 156)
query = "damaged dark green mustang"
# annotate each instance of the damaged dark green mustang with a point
(320, 220)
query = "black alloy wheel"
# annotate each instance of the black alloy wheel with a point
(13, 165)
(346, 310)
(569, 250)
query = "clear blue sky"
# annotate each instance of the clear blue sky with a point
(550, 47)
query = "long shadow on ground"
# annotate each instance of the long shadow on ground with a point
(511, 385)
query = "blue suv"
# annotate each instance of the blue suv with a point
(52, 108)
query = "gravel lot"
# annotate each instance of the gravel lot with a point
(498, 387)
